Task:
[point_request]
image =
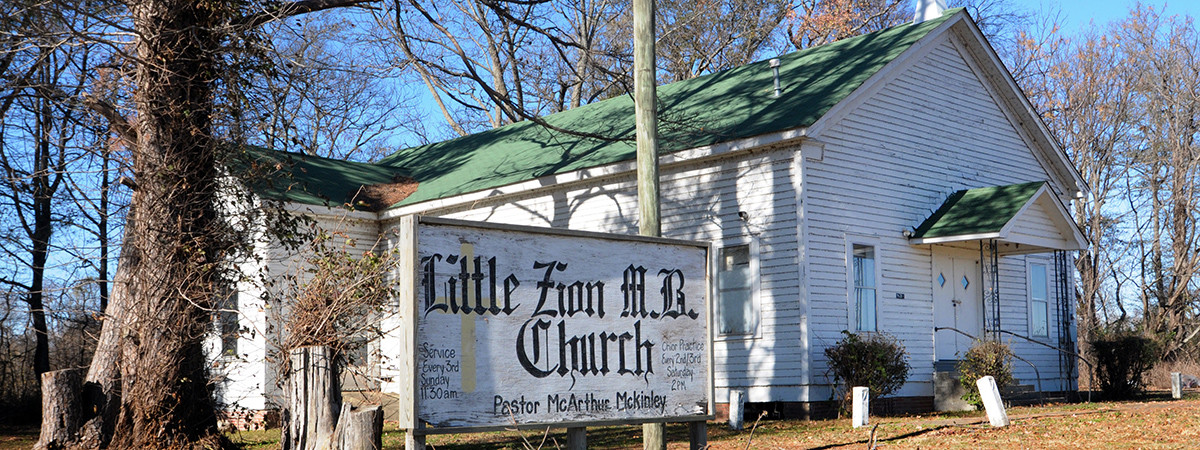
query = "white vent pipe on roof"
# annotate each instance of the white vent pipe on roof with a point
(928, 10)
(775, 70)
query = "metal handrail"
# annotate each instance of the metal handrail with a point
(1037, 373)
(1091, 367)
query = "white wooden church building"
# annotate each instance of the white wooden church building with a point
(895, 182)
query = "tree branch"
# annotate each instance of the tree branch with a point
(14, 284)
(295, 8)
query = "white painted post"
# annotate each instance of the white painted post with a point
(737, 408)
(1176, 385)
(990, 393)
(862, 406)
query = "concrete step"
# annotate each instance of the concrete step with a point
(1021, 394)
(1017, 390)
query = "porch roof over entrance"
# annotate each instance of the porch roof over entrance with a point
(1025, 217)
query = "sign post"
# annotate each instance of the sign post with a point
(510, 326)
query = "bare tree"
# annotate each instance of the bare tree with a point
(37, 146)
(1162, 55)
(326, 92)
(818, 22)
(1086, 96)
(489, 63)
(1123, 100)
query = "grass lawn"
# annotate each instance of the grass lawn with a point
(17, 437)
(1154, 423)
(1151, 423)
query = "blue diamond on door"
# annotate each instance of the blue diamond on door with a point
(965, 282)
(941, 280)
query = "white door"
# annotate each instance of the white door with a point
(957, 302)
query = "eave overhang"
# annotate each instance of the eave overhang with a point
(1028, 217)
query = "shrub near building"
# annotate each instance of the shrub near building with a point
(985, 358)
(1122, 360)
(875, 360)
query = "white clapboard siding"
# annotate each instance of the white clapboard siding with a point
(1015, 318)
(700, 201)
(886, 166)
(1036, 226)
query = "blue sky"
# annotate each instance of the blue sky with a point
(1077, 13)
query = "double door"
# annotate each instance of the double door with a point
(957, 301)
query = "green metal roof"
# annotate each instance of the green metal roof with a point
(977, 211)
(310, 179)
(728, 105)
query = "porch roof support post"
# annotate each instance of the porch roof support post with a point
(989, 268)
(1066, 341)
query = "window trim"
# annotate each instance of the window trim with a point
(1029, 301)
(851, 306)
(755, 301)
(228, 323)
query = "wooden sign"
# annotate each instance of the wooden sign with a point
(521, 326)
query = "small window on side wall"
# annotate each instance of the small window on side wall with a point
(1039, 301)
(863, 295)
(736, 312)
(226, 322)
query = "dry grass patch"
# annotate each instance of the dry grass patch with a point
(1159, 377)
(1157, 423)
(1094, 425)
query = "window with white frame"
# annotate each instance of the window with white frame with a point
(1039, 301)
(736, 312)
(226, 322)
(863, 274)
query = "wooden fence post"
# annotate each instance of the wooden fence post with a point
(697, 435)
(737, 404)
(654, 436)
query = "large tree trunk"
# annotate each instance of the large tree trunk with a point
(173, 239)
(149, 376)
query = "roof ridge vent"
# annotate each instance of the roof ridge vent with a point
(928, 10)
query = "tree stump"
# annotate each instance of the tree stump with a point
(314, 397)
(62, 411)
(359, 429)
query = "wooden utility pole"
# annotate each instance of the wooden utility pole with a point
(645, 104)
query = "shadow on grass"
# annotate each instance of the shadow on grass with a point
(891, 439)
(832, 433)
(18, 436)
(597, 437)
